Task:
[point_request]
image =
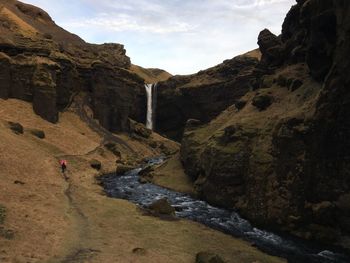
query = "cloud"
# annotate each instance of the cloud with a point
(126, 22)
(255, 3)
(179, 36)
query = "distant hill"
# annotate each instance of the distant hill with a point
(150, 75)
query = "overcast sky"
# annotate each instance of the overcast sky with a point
(180, 36)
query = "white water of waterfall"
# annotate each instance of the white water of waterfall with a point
(149, 119)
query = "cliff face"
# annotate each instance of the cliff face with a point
(42, 63)
(281, 155)
(203, 95)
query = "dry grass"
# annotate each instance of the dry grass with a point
(302, 101)
(21, 26)
(150, 75)
(254, 54)
(58, 221)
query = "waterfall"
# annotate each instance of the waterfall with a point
(151, 92)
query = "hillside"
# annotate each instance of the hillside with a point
(42, 63)
(279, 153)
(45, 218)
(150, 75)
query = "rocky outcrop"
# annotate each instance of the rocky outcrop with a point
(162, 207)
(203, 95)
(46, 65)
(284, 163)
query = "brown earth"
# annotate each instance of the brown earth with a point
(56, 220)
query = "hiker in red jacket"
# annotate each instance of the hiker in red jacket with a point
(63, 164)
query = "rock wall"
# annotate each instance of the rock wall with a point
(201, 96)
(44, 64)
(281, 158)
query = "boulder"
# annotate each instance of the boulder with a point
(146, 170)
(240, 104)
(122, 169)
(139, 251)
(271, 49)
(262, 102)
(295, 84)
(140, 129)
(2, 214)
(38, 133)
(96, 164)
(208, 257)
(162, 207)
(112, 147)
(143, 180)
(143, 131)
(229, 133)
(16, 127)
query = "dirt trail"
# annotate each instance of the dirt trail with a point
(77, 250)
(72, 221)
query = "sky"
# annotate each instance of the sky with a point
(180, 36)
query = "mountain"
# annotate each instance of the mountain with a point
(46, 65)
(279, 154)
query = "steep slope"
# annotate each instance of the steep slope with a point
(150, 75)
(203, 95)
(280, 156)
(42, 63)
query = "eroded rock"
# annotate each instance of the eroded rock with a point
(96, 164)
(38, 133)
(16, 127)
(262, 102)
(162, 207)
(208, 257)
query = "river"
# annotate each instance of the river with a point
(293, 249)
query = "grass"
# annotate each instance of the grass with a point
(49, 223)
(2, 214)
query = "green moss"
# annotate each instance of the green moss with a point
(2, 214)
(7, 233)
(230, 148)
(261, 157)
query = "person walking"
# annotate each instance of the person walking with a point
(63, 164)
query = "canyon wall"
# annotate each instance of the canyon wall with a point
(46, 65)
(280, 154)
(203, 95)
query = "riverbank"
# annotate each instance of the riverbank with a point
(54, 220)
